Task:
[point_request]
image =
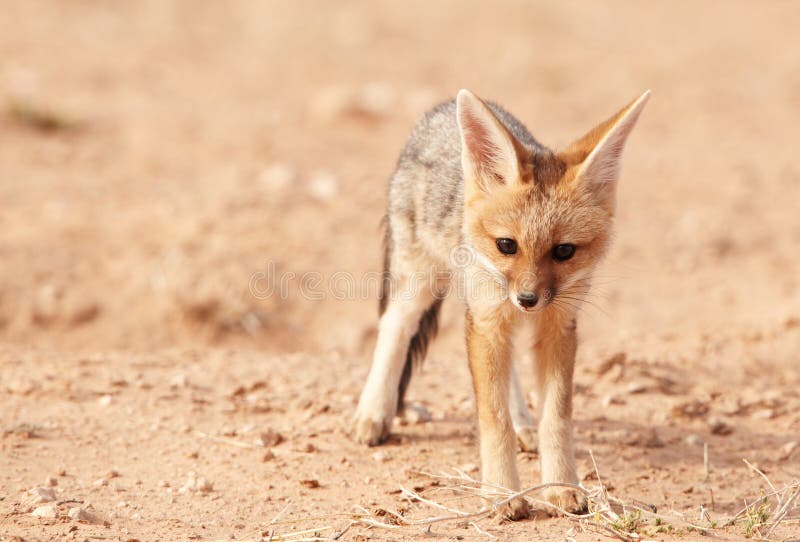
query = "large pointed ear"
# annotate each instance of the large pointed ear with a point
(597, 155)
(488, 151)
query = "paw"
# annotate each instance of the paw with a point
(565, 499)
(515, 510)
(369, 431)
(526, 438)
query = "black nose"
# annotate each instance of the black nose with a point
(528, 300)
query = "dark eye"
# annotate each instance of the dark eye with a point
(562, 253)
(507, 246)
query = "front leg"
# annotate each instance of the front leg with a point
(555, 346)
(488, 348)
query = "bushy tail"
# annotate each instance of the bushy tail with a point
(428, 323)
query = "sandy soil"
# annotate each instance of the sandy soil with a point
(159, 159)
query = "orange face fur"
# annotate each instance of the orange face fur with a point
(537, 203)
(539, 218)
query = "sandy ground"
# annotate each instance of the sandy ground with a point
(160, 160)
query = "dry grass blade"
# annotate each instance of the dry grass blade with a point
(606, 530)
(602, 518)
(635, 522)
(755, 516)
(481, 531)
(760, 473)
(603, 492)
(413, 495)
(782, 511)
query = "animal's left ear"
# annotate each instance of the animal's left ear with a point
(597, 155)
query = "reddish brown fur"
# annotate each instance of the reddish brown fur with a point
(542, 201)
(538, 200)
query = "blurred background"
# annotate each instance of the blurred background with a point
(155, 156)
(165, 166)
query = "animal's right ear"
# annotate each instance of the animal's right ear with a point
(488, 153)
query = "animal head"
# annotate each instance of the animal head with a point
(542, 220)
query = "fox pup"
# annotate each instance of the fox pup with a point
(476, 197)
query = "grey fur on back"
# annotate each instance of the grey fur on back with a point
(427, 189)
(426, 205)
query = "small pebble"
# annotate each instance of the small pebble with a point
(788, 448)
(196, 483)
(42, 494)
(719, 427)
(637, 387)
(375, 99)
(612, 399)
(694, 440)
(179, 381)
(269, 438)
(277, 176)
(381, 457)
(323, 186)
(46, 511)
(415, 414)
(764, 414)
(82, 514)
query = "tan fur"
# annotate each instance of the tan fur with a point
(489, 351)
(513, 188)
(540, 213)
(555, 347)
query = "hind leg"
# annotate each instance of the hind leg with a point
(523, 423)
(400, 321)
(520, 415)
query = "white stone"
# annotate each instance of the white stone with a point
(788, 448)
(694, 440)
(323, 186)
(46, 511)
(637, 387)
(277, 176)
(82, 514)
(375, 99)
(179, 381)
(415, 414)
(381, 457)
(42, 494)
(196, 483)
